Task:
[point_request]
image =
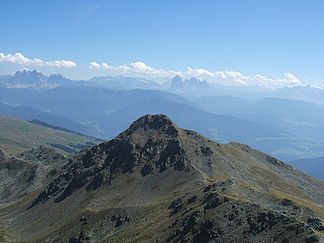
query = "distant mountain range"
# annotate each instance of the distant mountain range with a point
(121, 82)
(39, 81)
(185, 87)
(299, 117)
(34, 80)
(287, 128)
(104, 113)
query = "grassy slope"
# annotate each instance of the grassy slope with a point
(18, 135)
(256, 179)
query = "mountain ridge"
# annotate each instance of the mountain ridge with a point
(19, 135)
(157, 177)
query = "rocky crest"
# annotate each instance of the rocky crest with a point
(46, 156)
(28, 171)
(241, 221)
(158, 123)
(150, 144)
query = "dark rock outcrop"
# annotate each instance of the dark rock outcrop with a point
(150, 144)
(28, 171)
(46, 156)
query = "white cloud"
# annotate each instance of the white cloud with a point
(140, 67)
(134, 68)
(219, 77)
(20, 59)
(292, 78)
(94, 65)
(105, 65)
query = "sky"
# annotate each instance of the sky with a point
(278, 42)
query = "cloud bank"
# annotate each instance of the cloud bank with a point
(20, 59)
(146, 71)
(218, 77)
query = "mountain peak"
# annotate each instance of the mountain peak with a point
(56, 75)
(25, 72)
(159, 122)
(177, 82)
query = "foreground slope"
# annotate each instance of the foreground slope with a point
(17, 135)
(156, 182)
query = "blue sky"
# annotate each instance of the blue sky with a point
(252, 37)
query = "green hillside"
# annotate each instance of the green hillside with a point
(17, 135)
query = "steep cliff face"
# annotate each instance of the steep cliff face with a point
(158, 182)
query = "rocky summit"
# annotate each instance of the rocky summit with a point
(156, 182)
